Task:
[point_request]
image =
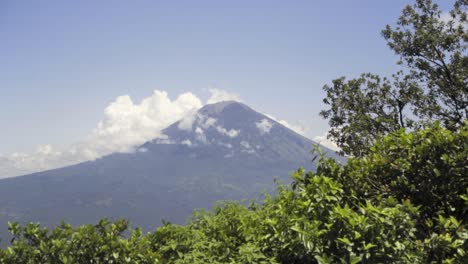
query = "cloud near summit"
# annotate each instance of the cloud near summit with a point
(125, 125)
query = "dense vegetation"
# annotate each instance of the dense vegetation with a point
(406, 201)
(402, 197)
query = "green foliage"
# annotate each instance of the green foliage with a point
(434, 51)
(226, 235)
(448, 243)
(406, 201)
(427, 167)
(102, 243)
(432, 85)
(315, 221)
(362, 110)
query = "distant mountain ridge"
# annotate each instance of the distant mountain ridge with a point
(222, 151)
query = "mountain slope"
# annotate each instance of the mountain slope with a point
(223, 151)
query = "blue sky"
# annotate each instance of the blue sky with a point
(63, 62)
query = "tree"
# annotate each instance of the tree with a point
(433, 85)
(364, 109)
(433, 48)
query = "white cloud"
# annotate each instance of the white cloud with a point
(245, 144)
(164, 141)
(246, 147)
(227, 145)
(142, 150)
(296, 127)
(199, 131)
(124, 126)
(186, 123)
(232, 133)
(20, 163)
(200, 135)
(209, 122)
(324, 141)
(204, 123)
(264, 126)
(221, 95)
(187, 142)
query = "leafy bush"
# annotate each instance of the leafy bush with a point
(102, 243)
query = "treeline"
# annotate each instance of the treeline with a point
(406, 201)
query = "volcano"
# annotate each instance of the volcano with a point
(223, 151)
